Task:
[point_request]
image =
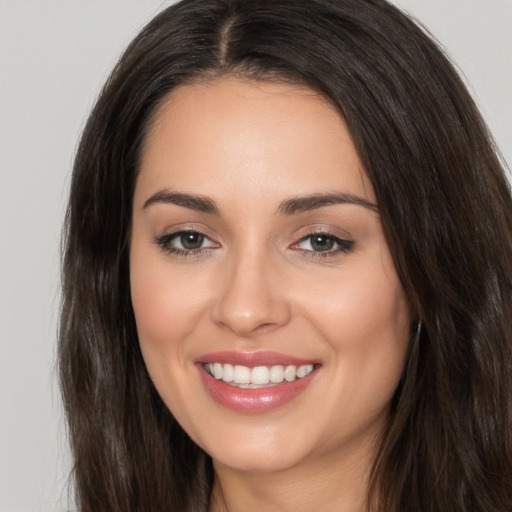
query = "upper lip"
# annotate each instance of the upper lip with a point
(252, 359)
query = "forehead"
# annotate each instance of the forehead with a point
(248, 135)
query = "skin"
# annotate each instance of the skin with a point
(258, 284)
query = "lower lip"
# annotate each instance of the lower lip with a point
(253, 400)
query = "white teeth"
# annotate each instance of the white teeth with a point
(217, 370)
(259, 376)
(227, 373)
(290, 373)
(242, 375)
(304, 370)
(276, 374)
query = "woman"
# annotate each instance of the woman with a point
(287, 275)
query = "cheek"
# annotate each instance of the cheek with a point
(166, 303)
(363, 320)
(359, 306)
(164, 311)
(155, 309)
(166, 315)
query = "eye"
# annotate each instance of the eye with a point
(323, 244)
(185, 242)
(189, 240)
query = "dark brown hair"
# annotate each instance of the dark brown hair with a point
(446, 209)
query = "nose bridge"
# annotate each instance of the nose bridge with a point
(250, 299)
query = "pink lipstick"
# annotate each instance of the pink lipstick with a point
(254, 382)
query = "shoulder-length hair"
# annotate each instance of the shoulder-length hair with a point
(446, 209)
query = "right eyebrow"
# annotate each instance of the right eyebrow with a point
(315, 201)
(193, 202)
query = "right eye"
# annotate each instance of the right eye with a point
(185, 242)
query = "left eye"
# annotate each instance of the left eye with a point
(323, 243)
(183, 242)
(189, 240)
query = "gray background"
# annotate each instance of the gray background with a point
(54, 56)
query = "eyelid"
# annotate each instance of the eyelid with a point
(343, 245)
(177, 235)
(165, 240)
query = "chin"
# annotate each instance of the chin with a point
(255, 460)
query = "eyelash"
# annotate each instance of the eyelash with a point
(343, 246)
(165, 243)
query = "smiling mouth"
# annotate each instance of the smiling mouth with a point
(257, 377)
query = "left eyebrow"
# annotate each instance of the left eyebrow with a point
(193, 202)
(315, 201)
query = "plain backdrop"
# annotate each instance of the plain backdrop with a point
(54, 57)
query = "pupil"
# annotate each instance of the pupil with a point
(322, 243)
(191, 240)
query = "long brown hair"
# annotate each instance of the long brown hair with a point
(446, 209)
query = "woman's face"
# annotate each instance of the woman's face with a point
(257, 254)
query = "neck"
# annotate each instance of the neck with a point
(331, 483)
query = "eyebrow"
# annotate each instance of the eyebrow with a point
(287, 207)
(315, 201)
(193, 202)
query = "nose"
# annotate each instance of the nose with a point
(252, 298)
